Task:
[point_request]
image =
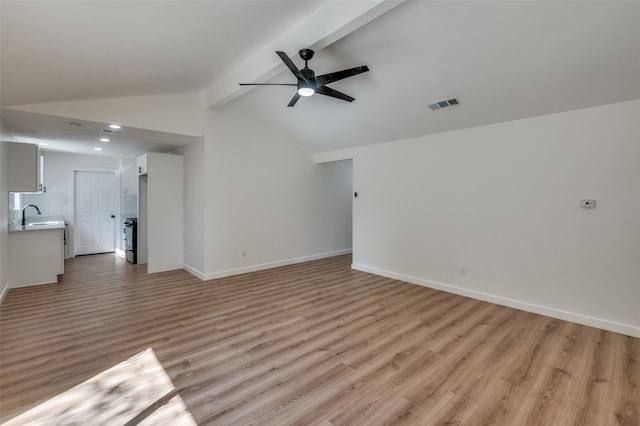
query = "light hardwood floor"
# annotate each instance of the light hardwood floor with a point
(313, 343)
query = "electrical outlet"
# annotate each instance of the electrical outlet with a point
(463, 270)
(588, 204)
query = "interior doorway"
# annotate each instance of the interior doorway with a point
(340, 203)
(95, 212)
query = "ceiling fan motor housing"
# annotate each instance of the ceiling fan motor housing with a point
(309, 82)
(308, 74)
(306, 54)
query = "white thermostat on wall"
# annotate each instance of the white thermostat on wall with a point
(588, 204)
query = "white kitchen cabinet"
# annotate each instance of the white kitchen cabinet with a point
(35, 257)
(143, 164)
(24, 168)
(160, 213)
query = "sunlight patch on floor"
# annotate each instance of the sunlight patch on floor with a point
(137, 390)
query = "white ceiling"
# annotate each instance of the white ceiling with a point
(503, 60)
(88, 49)
(82, 136)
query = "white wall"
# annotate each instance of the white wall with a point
(165, 212)
(128, 195)
(503, 201)
(5, 136)
(194, 189)
(58, 172)
(258, 192)
(129, 183)
(58, 178)
(266, 197)
(4, 220)
(174, 113)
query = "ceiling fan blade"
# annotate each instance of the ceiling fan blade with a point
(267, 84)
(339, 75)
(293, 100)
(289, 63)
(328, 91)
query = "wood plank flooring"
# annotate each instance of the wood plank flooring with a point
(309, 344)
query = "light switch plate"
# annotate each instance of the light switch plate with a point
(588, 204)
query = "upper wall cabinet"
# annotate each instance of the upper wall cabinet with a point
(142, 163)
(24, 167)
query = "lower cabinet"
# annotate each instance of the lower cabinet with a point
(35, 257)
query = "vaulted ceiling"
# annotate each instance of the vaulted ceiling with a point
(503, 60)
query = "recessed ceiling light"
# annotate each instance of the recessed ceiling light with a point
(97, 149)
(115, 126)
(105, 140)
(43, 144)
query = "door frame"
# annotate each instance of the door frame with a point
(71, 220)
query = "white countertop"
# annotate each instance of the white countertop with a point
(39, 223)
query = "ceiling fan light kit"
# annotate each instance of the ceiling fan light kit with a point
(305, 89)
(308, 83)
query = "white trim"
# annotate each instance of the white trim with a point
(4, 293)
(327, 157)
(32, 284)
(263, 266)
(626, 329)
(194, 271)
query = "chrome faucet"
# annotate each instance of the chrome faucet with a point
(25, 207)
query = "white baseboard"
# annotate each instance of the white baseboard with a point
(626, 329)
(193, 271)
(18, 285)
(262, 266)
(4, 293)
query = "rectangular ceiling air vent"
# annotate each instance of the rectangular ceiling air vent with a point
(111, 131)
(444, 104)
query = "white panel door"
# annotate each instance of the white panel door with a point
(95, 212)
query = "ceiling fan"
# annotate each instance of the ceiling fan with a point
(308, 83)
